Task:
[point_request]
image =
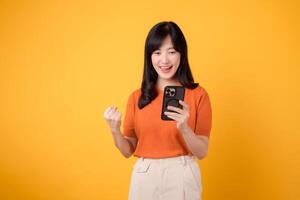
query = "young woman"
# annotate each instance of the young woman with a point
(166, 168)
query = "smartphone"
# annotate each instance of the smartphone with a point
(172, 95)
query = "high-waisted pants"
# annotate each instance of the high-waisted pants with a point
(174, 178)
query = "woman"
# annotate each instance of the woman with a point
(166, 168)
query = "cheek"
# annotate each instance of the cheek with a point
(176, 60)
(154, 64)
(154, 61)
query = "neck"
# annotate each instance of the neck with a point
(162, 83)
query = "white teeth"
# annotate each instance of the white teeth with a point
(166, 67)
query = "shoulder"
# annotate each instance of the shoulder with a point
(197, 95)
(134, 95)
(198, 91)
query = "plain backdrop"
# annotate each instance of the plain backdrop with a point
(62, 63)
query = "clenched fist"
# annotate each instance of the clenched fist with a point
(113, 118)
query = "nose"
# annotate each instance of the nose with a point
(165, 59)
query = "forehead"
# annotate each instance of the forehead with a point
(167, 43)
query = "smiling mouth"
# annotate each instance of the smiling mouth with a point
(165, 69)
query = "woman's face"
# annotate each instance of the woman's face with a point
(166, 59)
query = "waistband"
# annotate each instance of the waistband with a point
(178, 159)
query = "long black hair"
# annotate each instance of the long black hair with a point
(153, 42)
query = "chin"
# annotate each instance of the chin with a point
(166, 76)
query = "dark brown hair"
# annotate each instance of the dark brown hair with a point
(154, 40)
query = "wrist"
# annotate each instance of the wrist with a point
(116, 131)
(185, 129)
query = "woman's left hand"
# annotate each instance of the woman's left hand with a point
(181, 116)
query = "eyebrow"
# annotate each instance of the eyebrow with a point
(168, 48)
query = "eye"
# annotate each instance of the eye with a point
(172, 52)
(156, 53)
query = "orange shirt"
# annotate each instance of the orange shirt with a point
(158, 138)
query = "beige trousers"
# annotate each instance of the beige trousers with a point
(175, 178)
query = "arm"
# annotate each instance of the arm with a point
(125, 144)
(197, 144)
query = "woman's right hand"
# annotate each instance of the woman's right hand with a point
(113, 118)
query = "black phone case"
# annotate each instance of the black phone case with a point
(171, 97)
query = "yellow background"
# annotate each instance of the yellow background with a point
(63, 62)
